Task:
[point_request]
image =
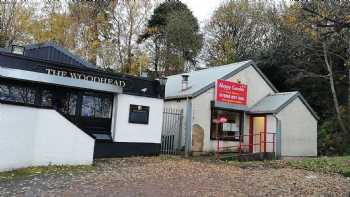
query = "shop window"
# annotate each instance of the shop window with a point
(231, 130)
(19, 94)
(96, 107)
(138, 114)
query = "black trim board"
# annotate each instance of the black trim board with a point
(134, 85)
(123, 149)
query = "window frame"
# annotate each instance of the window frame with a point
(212, 124)
(96, 95)
(18, 84)
(146, 108)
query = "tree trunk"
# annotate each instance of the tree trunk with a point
(156, 56)
(348, 66)
(333, 91)
(129, 47)
(348, 90)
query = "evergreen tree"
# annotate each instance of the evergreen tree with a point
(175, 37)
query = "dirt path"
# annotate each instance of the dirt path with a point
(157, 176)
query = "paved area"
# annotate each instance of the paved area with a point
(159, 176)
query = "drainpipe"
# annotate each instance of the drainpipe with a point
(278, 137)
(188, 125)
(188, 135)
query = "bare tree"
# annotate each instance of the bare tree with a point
(236, 31)
(128, 20)
(13, 17)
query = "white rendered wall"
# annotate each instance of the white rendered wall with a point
(298, 130)
(141, 133)
(271, 133)
(32, 137)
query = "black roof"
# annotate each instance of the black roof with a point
(50, 51)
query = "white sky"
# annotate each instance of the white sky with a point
(203, 9)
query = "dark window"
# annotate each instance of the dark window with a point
(230, 130)
(68, 104)
(46, 98)
(96, 106)
(19, 94)
(64, 102)
(138, 114)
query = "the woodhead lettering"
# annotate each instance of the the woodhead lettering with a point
(80, 76)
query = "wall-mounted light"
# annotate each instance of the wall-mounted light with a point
(16, 49)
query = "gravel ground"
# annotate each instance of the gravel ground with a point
(174, 176)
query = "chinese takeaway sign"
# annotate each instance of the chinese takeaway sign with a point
(230, 93)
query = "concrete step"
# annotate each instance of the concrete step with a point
(232, 156)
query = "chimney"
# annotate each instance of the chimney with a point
(184, 82)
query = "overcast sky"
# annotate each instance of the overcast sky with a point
(203, 9)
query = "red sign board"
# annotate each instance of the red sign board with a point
(230, 92)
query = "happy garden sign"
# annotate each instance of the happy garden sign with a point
(230, 93)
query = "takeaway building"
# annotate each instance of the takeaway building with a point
(56, 108)
(236, 108)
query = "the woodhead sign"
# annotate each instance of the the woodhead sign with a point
(231, 93)
(87, 77)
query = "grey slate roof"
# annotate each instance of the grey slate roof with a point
(202, 80)
(274, 103)
(50, 51)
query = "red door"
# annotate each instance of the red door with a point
(257, 133)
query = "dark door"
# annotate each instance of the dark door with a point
(96, 113)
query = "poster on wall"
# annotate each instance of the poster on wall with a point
(231, 93)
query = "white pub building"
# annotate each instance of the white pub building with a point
(56, 108)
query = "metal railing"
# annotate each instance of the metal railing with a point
(252, 143)
(171, 131)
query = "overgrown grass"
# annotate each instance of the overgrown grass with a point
(52, 169)
(339, 165)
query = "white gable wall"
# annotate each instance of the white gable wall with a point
(201, 109)
(257, 86)
(298, 130)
